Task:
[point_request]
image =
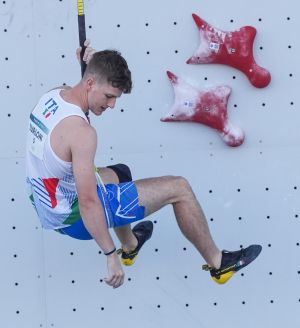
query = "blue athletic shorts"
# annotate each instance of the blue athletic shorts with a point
(121, 206)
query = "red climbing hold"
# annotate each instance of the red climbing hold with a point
(229, 48)
(206, 107)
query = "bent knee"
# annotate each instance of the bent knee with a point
(181, 184)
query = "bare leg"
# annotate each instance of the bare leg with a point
(124, 233)
(154, 193)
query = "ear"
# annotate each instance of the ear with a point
(90, 82)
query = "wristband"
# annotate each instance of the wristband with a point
(111, 252)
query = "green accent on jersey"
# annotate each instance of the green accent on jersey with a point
(41, 125)
(75, 214)
(33, 202)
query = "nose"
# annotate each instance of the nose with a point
(111, 103)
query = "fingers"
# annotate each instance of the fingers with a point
(116, 280)
(115, 272)
(78, 51)
(88, 53)
(87, 42)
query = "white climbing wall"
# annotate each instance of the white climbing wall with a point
(250, 194)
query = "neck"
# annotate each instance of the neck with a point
(76, 95)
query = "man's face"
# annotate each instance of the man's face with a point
(101, 96)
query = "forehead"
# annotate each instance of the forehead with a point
(107, 88)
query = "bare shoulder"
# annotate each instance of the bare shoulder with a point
(71, 134)
(81, 134)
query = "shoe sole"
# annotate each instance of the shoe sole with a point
(253, 250)
(128, 262)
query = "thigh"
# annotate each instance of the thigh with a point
(107, 175)
(155, 193)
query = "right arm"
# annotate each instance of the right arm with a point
(88, 54)
(83, 146)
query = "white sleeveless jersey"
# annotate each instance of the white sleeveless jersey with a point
(50, 180)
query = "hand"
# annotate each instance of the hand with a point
(88, 54)
(115, 272)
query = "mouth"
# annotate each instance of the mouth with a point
(101, 109)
